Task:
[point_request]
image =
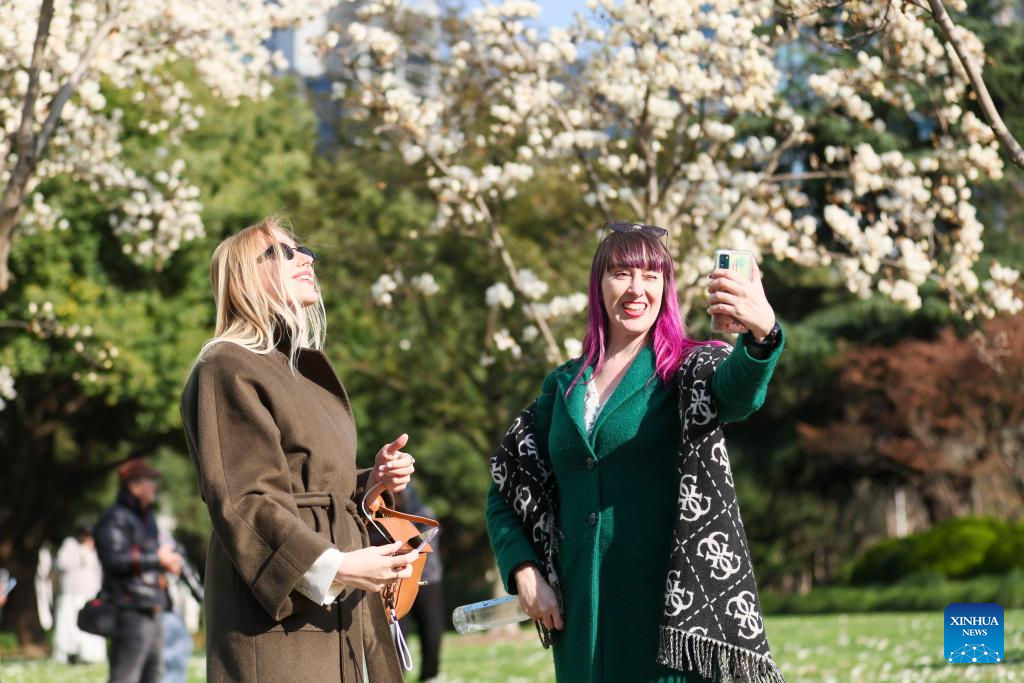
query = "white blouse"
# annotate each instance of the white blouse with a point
(591, 407)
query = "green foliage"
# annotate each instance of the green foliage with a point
(102, 384)
(967, 546)
(924, 591)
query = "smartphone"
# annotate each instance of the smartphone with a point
(742, 263)
(421, 538)
(9, 587)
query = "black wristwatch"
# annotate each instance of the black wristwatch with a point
(771, 340)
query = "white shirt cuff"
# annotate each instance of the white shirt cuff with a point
(317, 583)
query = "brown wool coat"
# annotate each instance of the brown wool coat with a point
(275, 452)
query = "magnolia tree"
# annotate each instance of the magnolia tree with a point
(678, 113)
(58, 58)
(873, 17)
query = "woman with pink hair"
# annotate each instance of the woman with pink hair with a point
(608, 426)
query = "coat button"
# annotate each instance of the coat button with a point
(592, 519)
(591, 463)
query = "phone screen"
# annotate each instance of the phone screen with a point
(421, 538)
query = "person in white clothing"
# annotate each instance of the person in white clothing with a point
(79, 577)
(44, 586)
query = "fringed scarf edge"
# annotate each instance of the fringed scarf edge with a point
(711, 658)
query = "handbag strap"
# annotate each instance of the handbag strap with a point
(373, 504)
(403, 649)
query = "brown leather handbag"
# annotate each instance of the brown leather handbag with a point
(388, 526)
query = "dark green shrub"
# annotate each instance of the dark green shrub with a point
(920, 592)
(956, 548)
(1008, 554)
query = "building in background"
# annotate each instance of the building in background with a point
(322, 77)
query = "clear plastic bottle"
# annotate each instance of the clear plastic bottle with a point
(481, 616)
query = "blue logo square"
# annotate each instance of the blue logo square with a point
(974, 633)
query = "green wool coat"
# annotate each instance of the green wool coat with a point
(618, 490)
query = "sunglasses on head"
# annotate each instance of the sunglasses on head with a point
(626, 226)
(289, 252)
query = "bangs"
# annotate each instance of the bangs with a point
(636, 250)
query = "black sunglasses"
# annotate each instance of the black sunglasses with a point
(626, 226)
(289, 252)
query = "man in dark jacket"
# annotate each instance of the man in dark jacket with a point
(134, 562)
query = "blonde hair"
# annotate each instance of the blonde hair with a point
(250, 313)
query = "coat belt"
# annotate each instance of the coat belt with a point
(314, 499)
(318, 499)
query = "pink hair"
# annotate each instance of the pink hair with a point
(636, 250)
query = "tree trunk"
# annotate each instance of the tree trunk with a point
(8, 220)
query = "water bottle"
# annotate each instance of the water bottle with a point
(481, 616)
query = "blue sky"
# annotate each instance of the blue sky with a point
(553, 12)
(560, 12)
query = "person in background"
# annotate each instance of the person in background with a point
(79, 578)
(134, 563)
(44, 586)
(4, 577)
(181, 620)
(428, 609)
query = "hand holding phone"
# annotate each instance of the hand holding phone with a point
(742, 263)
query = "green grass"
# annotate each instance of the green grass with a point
(858, 648)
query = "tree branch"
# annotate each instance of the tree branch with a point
(684, 149)
(809, 175)
(773, 163)
(988, 108)
(70, 85)
(30, 146)
(13, 200)
(506, 257)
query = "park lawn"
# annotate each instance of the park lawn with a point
(860, 648)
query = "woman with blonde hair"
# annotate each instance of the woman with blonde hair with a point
(290, 572)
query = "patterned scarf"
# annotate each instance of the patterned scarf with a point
(712, 620)
(526, 482)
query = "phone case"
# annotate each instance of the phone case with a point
(742, 263)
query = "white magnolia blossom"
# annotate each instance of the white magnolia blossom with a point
(425, 284)
(499, 294)
(383, 287)
(573, 347)
(155, 209)
(532, 286)
(504, 341)
(7, 390)
(674, 112)
(564, 306)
